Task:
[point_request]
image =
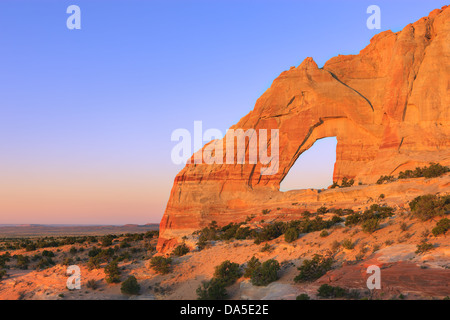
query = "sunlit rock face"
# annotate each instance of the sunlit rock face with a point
(388, 107)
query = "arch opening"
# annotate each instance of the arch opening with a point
(313, 168)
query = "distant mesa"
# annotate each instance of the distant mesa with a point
(388, 107)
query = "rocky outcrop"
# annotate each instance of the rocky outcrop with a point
(388, 107)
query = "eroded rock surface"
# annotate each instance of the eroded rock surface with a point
(388, 107)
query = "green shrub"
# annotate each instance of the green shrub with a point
(324, 234)
(161, 264)
(370, 225)
(424, 247)
(385, 179)
(47, 253)
(302, 296)
(348, 244)
(92, 284)
(291, 234)
(266, 248)
(327, 291)
(265, 273)
(227, 272)
(431, 171)
(313, 269)
(130, 286)
(429, 206)
(107, 240)
(345, 183)
(442, 226)
(212, 290)
(252, 265)
(322, 210)
(112, 272)
(180, 250)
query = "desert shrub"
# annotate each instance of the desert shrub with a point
(343, 212)
(44, 263)
(22, 261)
(30, 247)
(67, 261)
(429, 206)
(212, 290)
(180, 250)
(112, 272)
(431, 171)
(385, 179)
(94, 251)
(313, 269)
(335, 245)
(243, 233)
(442, 226)
(272, 231)
(370, 225)
(291, 234)
(124, 244)
(327, 291)
(92, 284)
(161, 264)
(73, 250)
(265, 211)
(352, 219)
(107, 240)
(201, 243)
(227, 272)
(403, 226)
(130, 286)
(424, 247)
(229, 231)
(348, 244)
(406, 174)
(322, 210)
(324, 234)
(252, 265)
(334, 185)
(345, 183)
(93, 263)
(266, 273)
(378, 212)
(47, 253)
(266, 248)
(302, 296)
(335, 220)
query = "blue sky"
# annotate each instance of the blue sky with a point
(86, 115)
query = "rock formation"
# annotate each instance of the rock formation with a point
(388, 107)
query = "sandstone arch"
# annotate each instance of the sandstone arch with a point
(361, 99)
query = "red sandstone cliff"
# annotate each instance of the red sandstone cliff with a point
(388, 107)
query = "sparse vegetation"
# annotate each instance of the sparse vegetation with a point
(227, 272)
(430, 206)
(302, 296)
(431, 171)
(424, 247)
(265, 273)
(130, 286)
(348, 244)
(112, 272)
(313, 269)
(442, 226)
(180, 250)
(161, 264)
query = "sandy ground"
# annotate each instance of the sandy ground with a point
(415, 276)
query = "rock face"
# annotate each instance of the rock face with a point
(388, 107)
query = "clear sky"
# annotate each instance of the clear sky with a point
(86, 115)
